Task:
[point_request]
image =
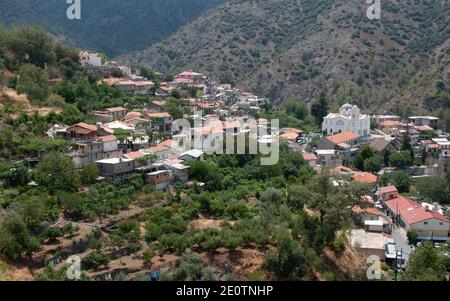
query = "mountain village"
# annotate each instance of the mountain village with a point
(154, 164)
(145, 146)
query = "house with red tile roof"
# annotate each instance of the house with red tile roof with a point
(388, 193)
(92, 143)
(365, 177)
(368, 214)
(311, 159)
(413, 216)
(160, 121)
(342, 170)
(291, 134)
(109, 114)
(137, 87)
(379, 145)
(82, 131)
(342, 140)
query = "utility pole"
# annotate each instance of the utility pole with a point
(398, 262)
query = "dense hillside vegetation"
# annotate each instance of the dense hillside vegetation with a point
(297, 48)
(110, 26)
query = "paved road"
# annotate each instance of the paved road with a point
(401, 242)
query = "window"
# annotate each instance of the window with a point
(441, 224)
(425, 223)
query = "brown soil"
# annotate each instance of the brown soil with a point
(10, 272)
(345, 266)
(242, 261)
(205, 223)
(10, 97)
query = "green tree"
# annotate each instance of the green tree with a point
(33, 210)
(89, 174)
(16, 175)
(296, 107)
(207, 173)
(188, 268)
(434, 189)
(56, 172)
(406, 142)
(320, 108)
(174, 108)
(412, 237)
(399, 179)
(365, 153)
(425, 264)
(94, 260)
(332, 204)
(32, 45)
(289, 260)
(15, 239)
(359, 162)
(400, 159)
(33, 82)
(373, 164)
(447, 175)
(122, 135)
(72, 203)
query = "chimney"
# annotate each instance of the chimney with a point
(99, 127)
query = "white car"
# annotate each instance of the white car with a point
(390, 250)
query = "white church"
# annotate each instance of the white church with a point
(349, 119)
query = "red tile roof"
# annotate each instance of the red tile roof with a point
(137, 119)
(158, 114)
(109, 138)
(289, 135)
(135, 155)
(365, 177)
(369, 210)
(424, 128)
(379, 144)
(388, 189)
(412, 212)
(343, 137)
(309, 157)
(342, 169)
(433, 145)
(390, 123)
(83, 128)
(132, 115)
(116, 109)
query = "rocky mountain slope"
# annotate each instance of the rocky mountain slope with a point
(284, 48)
(110, 26)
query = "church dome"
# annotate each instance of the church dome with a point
(346, 107)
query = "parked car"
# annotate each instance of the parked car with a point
(390, 250)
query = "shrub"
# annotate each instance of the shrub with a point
(94, 260)
(89, 174)
(412, 237)
(329, 276)
(289, 260)
(339, 243)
